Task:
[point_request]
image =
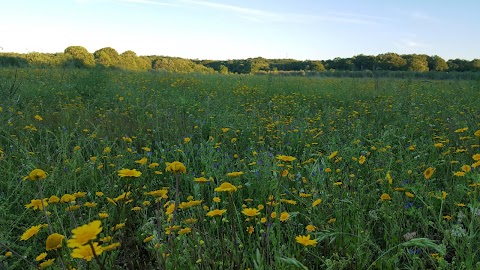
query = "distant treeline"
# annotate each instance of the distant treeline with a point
(79, 57)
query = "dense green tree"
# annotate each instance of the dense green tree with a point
(475, 65)
(436, 63)
(314, 66)
(364, 62)
(106, 57)
(340, 64)
(223, 69)
(458, 65)
(128, 60)
(78, 56)
(391, 61)
(417, 62)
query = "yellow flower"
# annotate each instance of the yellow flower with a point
(200, 179)
(103, 215)
(466, 168)
(86, 252)
(66, 198)
(217, 199)
(53, 199)
(129, 173)
(185, 231)
(36, 174)
(160, 193)
(305, 240)
(168, 230)
(186, 205)
(310, 228)
(176, 167)
(409, 194)
(459, 174)
(90, 204)
(122, 197)
(477, 133)
(362, 159)
(439, 145)
(328, 170)
(428, 172)
(251, 212)
(47, 263)
(186, 140)
(250, 229)
(117, 227)
(99, 193)
(234, 174)
(460, 130)
(332, 155)
(153, 165)
(288, 201)
(148, 239)
(332, 220)
(316, 202)
(389, 178)
(30, 232)
(286, 158)
(76, 148)
(443, 196)
(226, 187)
(37, 204)
(142, 161)
(385, 197)
(83, 234)
(38, 117)
(110, 247)
(41, 256)
(284, 216)
(216, 212)
(8, 254)
(54, 241)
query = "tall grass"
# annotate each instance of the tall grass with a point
(362, 149)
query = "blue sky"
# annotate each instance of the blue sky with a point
(227, 29)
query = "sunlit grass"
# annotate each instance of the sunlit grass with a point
(168, 171)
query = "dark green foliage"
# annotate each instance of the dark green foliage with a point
(106, 57)
(79, 57)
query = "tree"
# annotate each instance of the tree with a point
(391, 61)
(475, 65)
(78, 56)
(106, 57)
(458, 65)
(437, 63)
(417, 62)
(223, 69)
(364, 62)
(128, 60)
(315, 66)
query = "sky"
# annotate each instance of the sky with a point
(227, 29)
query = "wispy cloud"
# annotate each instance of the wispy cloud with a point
(423, 17)
(359, 18)
(261, 15)
(410, 45)
(149, 2)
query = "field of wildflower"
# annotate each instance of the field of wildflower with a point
(105, 169)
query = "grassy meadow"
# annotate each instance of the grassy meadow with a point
(105, 169)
